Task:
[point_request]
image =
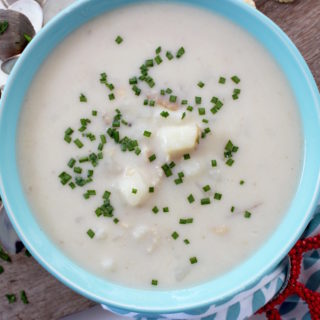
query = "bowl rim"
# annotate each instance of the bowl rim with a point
(179, 300)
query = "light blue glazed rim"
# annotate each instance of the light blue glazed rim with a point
(147, 301)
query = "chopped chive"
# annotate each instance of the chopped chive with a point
(202, 111)
(145, 102)
(147, 134)
(190, 108)
(205, 120)
(247, 214)
(232, 209)
(158, 59)
(3, 26)
(172, 164)
(183, 115)
(173, 98)
(64, 179)
(164, 114)
(134, 191)
(193, 260)
(167, 170)
(83, 98)
(152, 103)
(217, 196)
(118, 39)
(152, 157)
(111, 96)
(175, 235)
(186, 221)
(241, 182)
(136, 90)
(11, 298)
(222, 80)
(213, 163)
(137, 151)
(103, 139)
(165, 209)
(181, 174)
(149, 63)
(154, 282)
(155, 209)
(23, 297)
(180, 52)
(168, 90)
(4, 256)
(71, 163)
(186, 156)
(94, 113)
(235, 97)
(151, 189)
(90, 233)
(68, 132)
(229, 162)
(200, 84)
(205, 201)
(235, 79)
(162, 92)
(190, 198)
(214, 100)
(184, 101)
(178, 181)
(186, 241)
(83, 159)
(206, 188)
(197, 100)
(169, 55)
(77, 170)
(236, 91)
(67, 139)
(133, 80)
(72, 185)
(90, 173)
(78, 143)
(158, 50)
(1, 269)
(106, 195)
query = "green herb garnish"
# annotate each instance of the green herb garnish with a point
(118, 39)
(193, 260)
(175, 235)
(83, 98)
(90, 233)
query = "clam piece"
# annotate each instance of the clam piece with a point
(8, 64)
(52, 7)
(32, 10)
(13, 40)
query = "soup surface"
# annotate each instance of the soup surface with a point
(159, 145)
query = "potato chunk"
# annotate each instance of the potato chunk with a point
(133, 187)
(177, 140)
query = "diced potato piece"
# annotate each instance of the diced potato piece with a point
(178, 140)
(133, 180)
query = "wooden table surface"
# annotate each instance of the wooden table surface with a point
(49, 299)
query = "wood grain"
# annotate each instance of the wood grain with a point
(49, 299)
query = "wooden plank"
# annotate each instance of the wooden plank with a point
(49, 299)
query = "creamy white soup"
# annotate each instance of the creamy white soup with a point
(159, 146)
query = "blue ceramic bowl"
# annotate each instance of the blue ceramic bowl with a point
(193, 300)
